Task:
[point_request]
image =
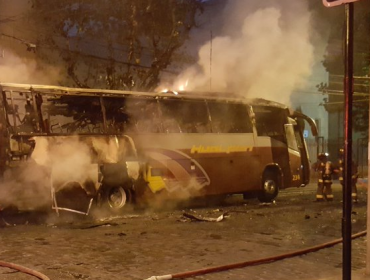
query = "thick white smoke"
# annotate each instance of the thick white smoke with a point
(52, 163)
(264, 51)
(15, 69)
(55, 162)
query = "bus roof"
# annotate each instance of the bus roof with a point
(60, 90)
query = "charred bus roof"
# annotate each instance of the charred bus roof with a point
(60, 90)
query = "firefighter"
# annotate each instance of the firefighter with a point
(354, 175)
(325, 171)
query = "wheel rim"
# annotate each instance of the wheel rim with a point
(269, 187)
(117, 198)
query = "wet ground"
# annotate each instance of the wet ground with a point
(150, 242)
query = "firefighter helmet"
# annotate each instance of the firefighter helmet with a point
(322, 156)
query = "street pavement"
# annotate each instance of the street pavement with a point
(156, 242)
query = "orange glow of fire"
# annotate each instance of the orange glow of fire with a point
(181, 87)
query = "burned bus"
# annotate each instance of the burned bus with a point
(121, 147)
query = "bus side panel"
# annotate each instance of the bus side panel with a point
(274, 153)
(220, 163)
(297, 176)
(229, 173)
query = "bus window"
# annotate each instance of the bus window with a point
(291, 137)
(270, 122)
(21, 112)
(144, 114)
(187, 116)
(297, 133)
(229, 118)
(118, 120)
(72, 114)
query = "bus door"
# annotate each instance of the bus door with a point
(305, 170)
(296, 167)
(298, 128)
(270, 121)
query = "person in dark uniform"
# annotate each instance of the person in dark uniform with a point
(325, 170)
(354, 175)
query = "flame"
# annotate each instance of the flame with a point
(183, 86)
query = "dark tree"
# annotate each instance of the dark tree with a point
(334, 62)
(114, 44)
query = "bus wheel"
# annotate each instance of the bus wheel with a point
(270, 188)
(117, 198)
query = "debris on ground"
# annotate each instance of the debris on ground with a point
(200, 218)
(119, 217)
(268, 203)
(5, 223)
(100, 225)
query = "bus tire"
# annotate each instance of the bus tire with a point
(117, 198)
(270, 187)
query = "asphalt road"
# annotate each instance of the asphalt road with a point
(174, 239)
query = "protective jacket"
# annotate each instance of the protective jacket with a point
(325, 171)
(354, 176)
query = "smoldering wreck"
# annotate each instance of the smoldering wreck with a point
(73, 149)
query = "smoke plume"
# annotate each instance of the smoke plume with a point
(15, 69)
(264, 50)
